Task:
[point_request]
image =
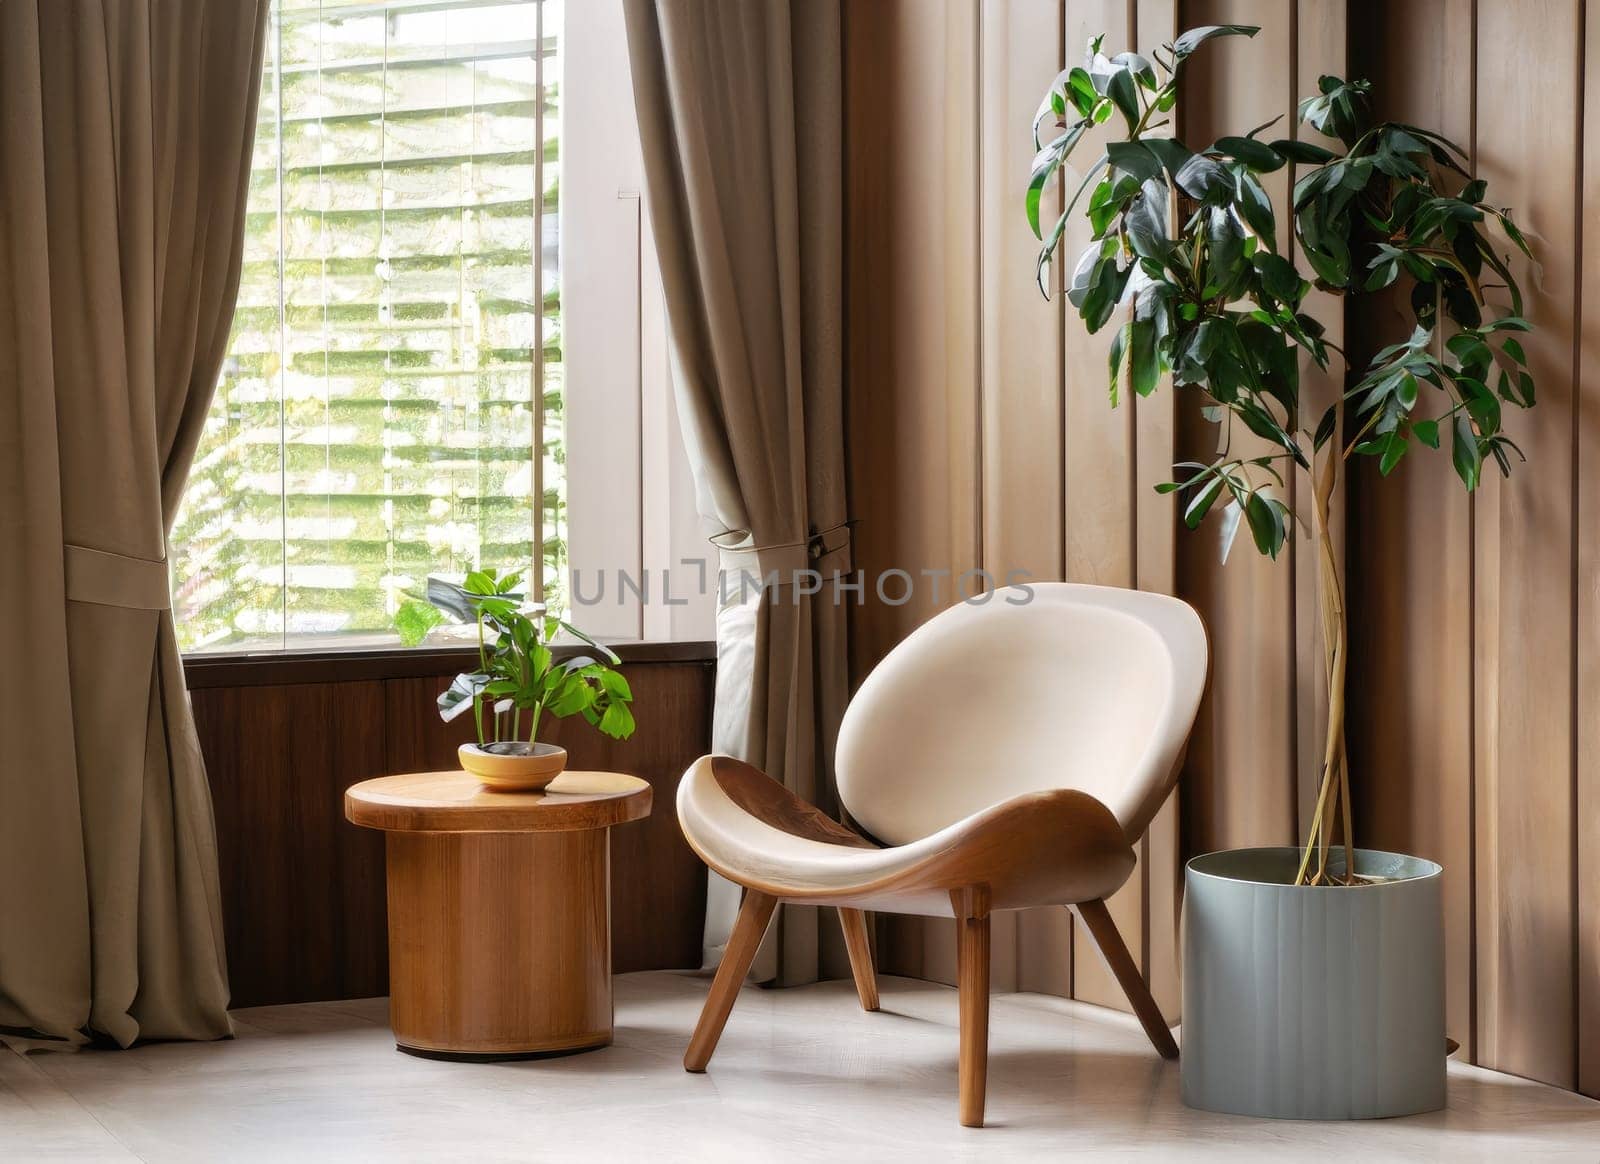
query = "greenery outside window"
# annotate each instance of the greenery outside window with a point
(392, 405)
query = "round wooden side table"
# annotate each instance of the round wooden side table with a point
(499, 910)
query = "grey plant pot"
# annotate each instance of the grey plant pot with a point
(1312, 1003)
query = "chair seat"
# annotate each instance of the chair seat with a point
(1057, 847)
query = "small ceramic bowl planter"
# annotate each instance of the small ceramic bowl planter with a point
(1313, 1002)
(515, 767)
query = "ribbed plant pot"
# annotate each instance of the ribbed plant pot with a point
(1312, 1003)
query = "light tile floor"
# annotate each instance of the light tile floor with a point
(801, 1075)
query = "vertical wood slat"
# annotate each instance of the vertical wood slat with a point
(1528, 138)
(912, 338)
(1238, 788)
(1586, 516)
(1099, 448)
(1410, 583)
(1319, 47)
(1020, 338)
(1154, 559)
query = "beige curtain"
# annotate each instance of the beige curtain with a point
(739, 105)
(126, 131)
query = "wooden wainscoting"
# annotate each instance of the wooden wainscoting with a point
(303, 889)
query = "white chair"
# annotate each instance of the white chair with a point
(1003, 756)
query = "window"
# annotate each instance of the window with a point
(391, 405)
(438, 363)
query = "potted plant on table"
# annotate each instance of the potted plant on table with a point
(1313, 976)
(519, 682)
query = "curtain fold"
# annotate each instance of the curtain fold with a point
(739, 105)
(126, 132)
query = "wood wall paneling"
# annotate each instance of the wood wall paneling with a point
(1238, 786)
(1586, 518)
(912, 290)
(1409, 579)
(1529, 148)
(1318, 38)
(977, 436)
(1099, 449)
(1475, 621)
(1154, 568)
(1024, 435)
(303, 890)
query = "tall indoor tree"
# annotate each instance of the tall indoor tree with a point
(1216, 305)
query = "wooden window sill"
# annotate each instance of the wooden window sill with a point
(266, 668)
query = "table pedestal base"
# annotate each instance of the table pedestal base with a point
(499, 943)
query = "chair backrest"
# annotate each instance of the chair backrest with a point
(1086, 687)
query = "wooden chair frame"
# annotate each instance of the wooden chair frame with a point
(1060, 847)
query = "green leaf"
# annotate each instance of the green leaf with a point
(1303, 152)
(617, 721)
(1394, 447)
(1080, 89)
(456, 698)
(1266, 524)
(1200, 504)
(1508, 323)
(1135, 158)
(1203, 179)
(1231, 513)
(1187, 42)
(1525, 383)
(1145, 221)
(1142, 68)
(1145, 363)
(1426, 431)
(1464, 451)
(1278, 277)
(1513, 233)
(583, 636)
(414, 620)
(573, 695)
(1405, 392)
(1045, 163)
(1042, 266)
(1052, 104)
(1256, 209)
(614, 684)
(1124, 93)
(1257, 155)
(1119, 345)
(1224, 251)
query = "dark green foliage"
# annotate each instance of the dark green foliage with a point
(1217, 305)
(517, 672)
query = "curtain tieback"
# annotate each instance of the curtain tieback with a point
(828, 552)
(107, 579)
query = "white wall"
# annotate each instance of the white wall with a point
(630, 503)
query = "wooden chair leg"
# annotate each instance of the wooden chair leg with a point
(972, 960)
(754, 916)
(1121, 964)
(854, 923)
